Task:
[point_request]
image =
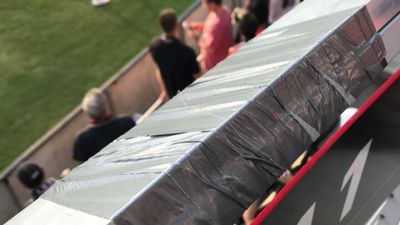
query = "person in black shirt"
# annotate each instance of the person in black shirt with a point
(177, 65)
(103, 128)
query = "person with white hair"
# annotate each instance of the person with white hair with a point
(102, 129)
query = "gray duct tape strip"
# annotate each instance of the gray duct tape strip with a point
(346, 96)
(314, 134)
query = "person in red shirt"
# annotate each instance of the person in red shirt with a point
(216, 34)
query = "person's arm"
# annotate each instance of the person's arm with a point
(250, 213)
(285, 177)
(194, 65)
(193, 29)
(163, 91)
(197, 75)
(65, 172)
(194, 25)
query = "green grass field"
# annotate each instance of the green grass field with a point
(53, 51)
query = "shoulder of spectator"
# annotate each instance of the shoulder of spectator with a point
(154, 43)
(128, 119)
(81, 132)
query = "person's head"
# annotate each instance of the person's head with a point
(212, 5)
(248, 26)
(94, 104)
(260, 9)
(30, 175)
(168, 20)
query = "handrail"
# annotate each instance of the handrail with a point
(39, 143)
(75, 112)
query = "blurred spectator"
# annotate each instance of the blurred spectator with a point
(314, 147)
(250, 214)
(177, 65)
(239, 11)
(260, 9)
(279, 8)
(247, 30)
(216, 34)
(103, 127)
(32, 177)
(266, 11)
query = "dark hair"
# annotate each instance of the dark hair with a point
(30, 175)
(217, 2)
(167, 19)
(260, 9)
(248, 26)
